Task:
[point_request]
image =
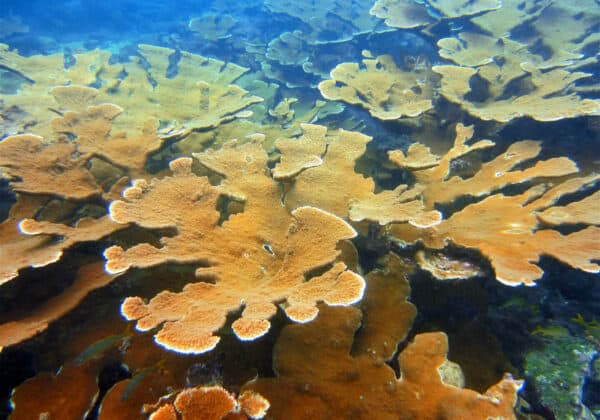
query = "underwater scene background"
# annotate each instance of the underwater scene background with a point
(302, 209)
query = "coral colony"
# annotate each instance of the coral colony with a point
(237, 240)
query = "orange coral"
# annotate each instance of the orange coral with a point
(69, 394)
(386, 91)
(29, 243)
(507, 229)
(39, 167)
(331, 381)
(323, 163)
(386, 298)
(254, 404)
(213, 403)
(257, 257)
(91, 126)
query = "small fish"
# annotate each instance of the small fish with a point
(579, 319)
(139, 377)
(553, 331)
(591, 328)
(97, 349)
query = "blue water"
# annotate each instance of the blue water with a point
(547, 335)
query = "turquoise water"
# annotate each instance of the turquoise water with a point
(304, 200)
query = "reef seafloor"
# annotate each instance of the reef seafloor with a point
(335, 209)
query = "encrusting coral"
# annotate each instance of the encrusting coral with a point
(257, 257)
(378, 85)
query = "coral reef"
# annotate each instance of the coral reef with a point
(506, 229)
(277, 253)
(322, 26)
(272, 192)
(381, 87)
(333, 381)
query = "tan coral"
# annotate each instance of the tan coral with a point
(440, 186)
(333, 184)
(407, 14)
(569, 29)
(543, 93)
(212, 27)
(513, 13)
(201, 95)
(332, 381)
(506, 230)
(386, 298)
(300, 113)
(399, 206)
(387, 92)
(418, 156)
(283, 112)
(586, 211)
(328, 20)
(92, 125)
(404, 14)
(458, 8)
(289, 49)
(29, 243)
(39, 167)
(257, 257)
(301, 153)
(21, 251)
(47, 71)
